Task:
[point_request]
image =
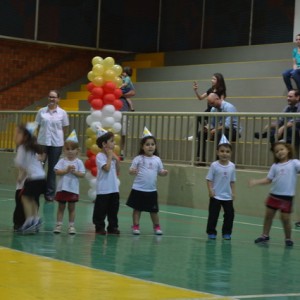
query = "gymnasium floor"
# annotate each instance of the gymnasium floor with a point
(182, 264)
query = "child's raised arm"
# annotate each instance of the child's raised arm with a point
(263, 181)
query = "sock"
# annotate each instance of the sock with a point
(71, 224)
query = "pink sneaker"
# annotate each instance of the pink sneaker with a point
(136, 230)
(157, 230)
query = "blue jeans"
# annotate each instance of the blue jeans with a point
(291, 73)
(53, 154)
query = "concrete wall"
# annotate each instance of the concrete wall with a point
(185, 186)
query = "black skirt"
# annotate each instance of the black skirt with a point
(143, 201)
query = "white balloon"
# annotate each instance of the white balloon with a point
(92, 194)
(108, 110)
(93, 183)
(117, 116)
(116, 127)
(95, 126)
(96, 115)
(88, 175)
(89, 120)
(108, 122)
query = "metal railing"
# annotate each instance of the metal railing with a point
(177, 134)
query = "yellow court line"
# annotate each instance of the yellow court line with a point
(32, 277)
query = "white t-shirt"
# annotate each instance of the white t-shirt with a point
(148, 167)
(107, 182)
(51, 126)
(221, 176)
(28, 161)
(284, 177)
(69, 182)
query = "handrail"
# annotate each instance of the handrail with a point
(67, 57)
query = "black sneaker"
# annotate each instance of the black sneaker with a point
(262, 239)
(297, 224)
(289, 243)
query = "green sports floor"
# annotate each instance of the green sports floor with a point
(182, 257)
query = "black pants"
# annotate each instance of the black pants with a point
(203, 137)
(213, 215)
(53, 154)
(289, 135)
(106, 206)
(19, 215)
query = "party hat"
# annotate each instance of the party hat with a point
(72, 137)
(31, 127)
(146, 132)
(101, 131)
(223, 140)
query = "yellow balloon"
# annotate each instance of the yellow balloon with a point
(117, 69)
(108, 62)
(108, 129)
(95, 149)
(117, 149)
(98, 69)
(118, 81)
(109, 75)
(98, 81)
(97, 60)
(117, 139)
(89, 132)
(90, 76)
(88, 143)
(94, 138)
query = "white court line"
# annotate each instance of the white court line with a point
(266, 296)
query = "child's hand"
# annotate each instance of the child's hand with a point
(133, 171)
(211, 193)
(115, 156)
(251, 182)
(195, 85)
(109, 152)
(69, 169)
(163, 172)
(72, 169)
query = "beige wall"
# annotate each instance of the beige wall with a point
(185, 186)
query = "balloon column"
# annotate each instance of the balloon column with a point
(104, 98)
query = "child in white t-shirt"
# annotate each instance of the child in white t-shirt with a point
(221, 179)
(70, 168)
(32, 171)
(107, 188)
(283, 179)
(143, 197)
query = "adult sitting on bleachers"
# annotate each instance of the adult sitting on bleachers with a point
(295, 72)
(219, 125)
(277, 129)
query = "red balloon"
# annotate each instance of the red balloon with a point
(97, 104)
(118, 93)
(89, 153)
(93, 160)
(94, 171)
(109, 98)
(97, 91)
(88, 164)
(90, 86)
(91, 97)
(109, 87)
(118, 104)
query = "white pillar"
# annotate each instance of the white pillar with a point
(297, 18)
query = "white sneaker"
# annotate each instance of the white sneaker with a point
(57, 228)
(157, 230)
(136, 230)
(72, 230)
